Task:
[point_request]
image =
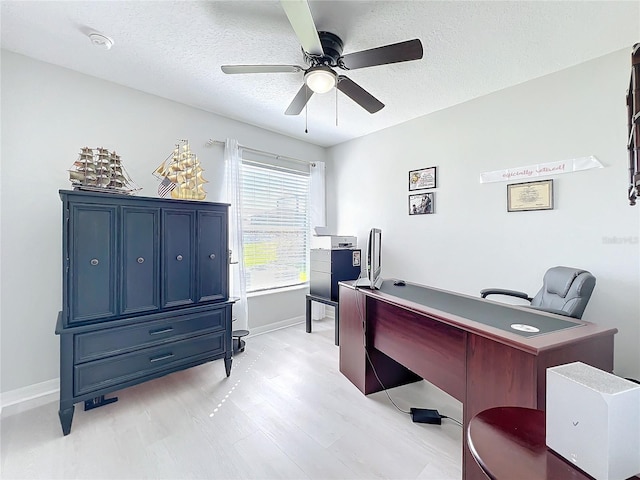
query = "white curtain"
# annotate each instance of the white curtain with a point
(237, 272)
(317, 216)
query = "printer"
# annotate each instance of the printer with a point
(323, 239)
(331, 242)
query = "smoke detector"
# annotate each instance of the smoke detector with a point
(101, 41)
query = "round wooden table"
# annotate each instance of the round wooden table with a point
(510, 443)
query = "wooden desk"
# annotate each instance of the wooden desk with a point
(461, 346)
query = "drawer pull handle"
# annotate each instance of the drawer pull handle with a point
(140, 260)
(179, 258)
(161, 331)
(94, 261)
(212, 256)
(161, 357)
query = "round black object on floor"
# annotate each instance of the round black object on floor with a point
(238, 343)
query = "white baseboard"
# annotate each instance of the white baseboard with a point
(276, 326)
(28, 397)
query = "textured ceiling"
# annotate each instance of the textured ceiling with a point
(174, 49)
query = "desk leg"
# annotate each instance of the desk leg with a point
(308, 319)
(336, 314)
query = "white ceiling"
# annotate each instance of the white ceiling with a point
(174, 49)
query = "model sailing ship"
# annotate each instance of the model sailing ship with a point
(181, 174)
(98, 169)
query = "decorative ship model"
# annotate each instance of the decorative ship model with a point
(98, 169)
(181, 174)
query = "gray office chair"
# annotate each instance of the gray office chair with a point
(565, 291)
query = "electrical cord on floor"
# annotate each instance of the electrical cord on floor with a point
(452, 419)
(418, 415)
(381, 384)
(433, 416)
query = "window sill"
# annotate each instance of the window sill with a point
(261, 293)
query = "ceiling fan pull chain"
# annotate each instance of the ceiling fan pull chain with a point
(306, 117)
(336, 106)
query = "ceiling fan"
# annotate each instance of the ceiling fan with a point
(322, 51)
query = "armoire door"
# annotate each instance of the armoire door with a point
(178, 257)
(140, 260)
(92, 262)
(212, 256)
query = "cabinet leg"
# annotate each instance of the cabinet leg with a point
(66, 416)
(227, 365)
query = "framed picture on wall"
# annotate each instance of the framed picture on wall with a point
(527, 196)
(421, 203)
(423, 178)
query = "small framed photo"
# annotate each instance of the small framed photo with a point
(423, 178)
(421, 203)
(527, 196)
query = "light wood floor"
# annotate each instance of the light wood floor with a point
(285, 412)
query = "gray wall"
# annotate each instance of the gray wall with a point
(48, 114)
(471, 242)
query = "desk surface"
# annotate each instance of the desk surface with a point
(487, 318)
(482, 311)
(510, 442)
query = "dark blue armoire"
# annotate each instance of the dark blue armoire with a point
(145, 292)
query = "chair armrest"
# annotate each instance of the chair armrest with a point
(500, 291)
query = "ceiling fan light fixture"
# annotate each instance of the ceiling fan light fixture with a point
(320, 79)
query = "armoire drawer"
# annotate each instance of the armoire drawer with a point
(111, 371)
(107, 342)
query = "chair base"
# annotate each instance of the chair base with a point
(238, 343)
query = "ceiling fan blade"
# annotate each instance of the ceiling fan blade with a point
(261, 68)
(299, 15)
(300, 100)
(359, 95)
(394, 53)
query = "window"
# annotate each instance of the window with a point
(275, 224)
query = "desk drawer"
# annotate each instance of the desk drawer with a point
(102, 343)
(100, 374)
(320, 255)
(318, 266)
(320, 284)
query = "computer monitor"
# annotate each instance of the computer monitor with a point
(374, 263)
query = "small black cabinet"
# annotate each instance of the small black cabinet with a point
(145, 292)
(328, 267)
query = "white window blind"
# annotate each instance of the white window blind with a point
(275, 206)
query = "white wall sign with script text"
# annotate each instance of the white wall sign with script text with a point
(541, 170)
